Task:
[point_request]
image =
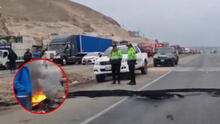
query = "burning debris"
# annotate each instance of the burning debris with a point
(37, 98)
(46, 105)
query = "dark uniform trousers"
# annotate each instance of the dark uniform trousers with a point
(131, 65)
(116, 67)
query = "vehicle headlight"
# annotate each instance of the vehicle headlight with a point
(155, 56)
(97, 63)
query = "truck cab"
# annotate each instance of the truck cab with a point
(63, 50)
(102, 66)
(3, 58)
(72, 48)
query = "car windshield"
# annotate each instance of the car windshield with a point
(165, 50)
(147, 48)
(122, 48)
(57, 47)
(92, 54)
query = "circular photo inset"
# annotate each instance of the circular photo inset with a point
(40, 86)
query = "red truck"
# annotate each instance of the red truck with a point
(148, 48)
(161, 45)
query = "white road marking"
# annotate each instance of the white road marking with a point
(147, 85)
(198, 69)
(121, 101)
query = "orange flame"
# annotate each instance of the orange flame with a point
(37, 98)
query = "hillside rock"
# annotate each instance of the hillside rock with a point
(41, 18)
(3, 27)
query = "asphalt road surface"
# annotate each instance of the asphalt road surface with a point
(202, 72)
(199, 71)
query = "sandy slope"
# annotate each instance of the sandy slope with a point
(46, 17)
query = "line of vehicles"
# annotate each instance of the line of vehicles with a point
(83, 49)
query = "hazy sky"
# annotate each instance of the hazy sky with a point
(185, 22)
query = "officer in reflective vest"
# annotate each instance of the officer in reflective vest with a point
(132, 57)
(115, 60)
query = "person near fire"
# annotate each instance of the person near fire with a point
(23, 87)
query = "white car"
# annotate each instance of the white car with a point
(102, 66)
(91, 58)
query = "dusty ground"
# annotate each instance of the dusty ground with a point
(83, 74)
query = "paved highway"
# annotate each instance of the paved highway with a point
(201, 72)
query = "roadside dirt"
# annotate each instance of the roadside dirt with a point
(82, 74)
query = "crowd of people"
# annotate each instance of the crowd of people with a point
(28, 55)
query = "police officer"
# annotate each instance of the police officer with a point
(115, 60)
(131, 63)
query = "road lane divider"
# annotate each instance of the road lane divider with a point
(122, 100)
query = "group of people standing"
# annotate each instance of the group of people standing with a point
(115, 60)
(12, 57)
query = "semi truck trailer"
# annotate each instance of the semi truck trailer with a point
(70, 49)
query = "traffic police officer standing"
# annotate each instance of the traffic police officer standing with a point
(131, 63)
(115, 60)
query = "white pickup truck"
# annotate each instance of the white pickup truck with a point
(102, 67)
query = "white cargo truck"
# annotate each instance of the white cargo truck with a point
(19, 45)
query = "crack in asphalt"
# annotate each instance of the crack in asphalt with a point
(152, 94)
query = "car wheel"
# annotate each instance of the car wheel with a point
(176, 62)
(173, 63)
(144, 69)
(3, 68)
(79, 62)
(7, 66)
(100, 78)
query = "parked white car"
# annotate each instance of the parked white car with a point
(102, 66)
(91, 58)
